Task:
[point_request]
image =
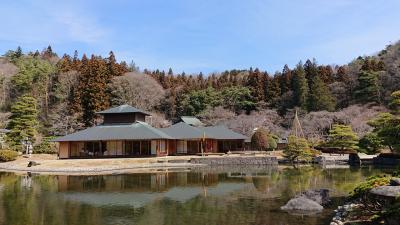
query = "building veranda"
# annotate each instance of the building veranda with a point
(124, 133)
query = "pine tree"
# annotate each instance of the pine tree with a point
(320, 97)
(395, 102)
(300, 87)
(387, 125)
(297, 149)
(342, 136)
(23, 121)
(18, 52)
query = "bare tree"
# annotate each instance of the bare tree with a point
(7, 70)
(245, 123)
(136, 89)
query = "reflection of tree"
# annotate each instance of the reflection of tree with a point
(264, 183)
(44, 202)
(40, 204)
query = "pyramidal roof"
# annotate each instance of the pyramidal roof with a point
(123, 109)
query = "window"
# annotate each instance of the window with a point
(114, 148)
(163, 148)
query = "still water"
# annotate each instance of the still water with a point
(220, 195)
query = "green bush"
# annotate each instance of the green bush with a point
(8, 155)
(46, 147)
(374, 181)
(370, 144)
(272, 145)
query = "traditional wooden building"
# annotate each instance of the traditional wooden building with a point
(124, 133)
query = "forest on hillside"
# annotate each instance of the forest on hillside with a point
(62, 93)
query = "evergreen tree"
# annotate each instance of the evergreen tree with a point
(300, 87)
(272, 89)
(286, 80)
(114, 69)
(93, 82)
(370, 143)
(368, 87)
(170, 72)
(48, 53)
(387, 128)
(18, 52)
(326, 74)
(23, 121)
(238, 99)
(320, 97)
(297, 149)
(342, 136)
(341, 75)
(395, 102)
(255, 82)
(311, 70)
(387, 125)
(196, 102)
(14, 55)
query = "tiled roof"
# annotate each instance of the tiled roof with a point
(136, 131)
(191, 120)
(184, 131)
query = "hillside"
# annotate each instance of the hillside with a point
(69, 89)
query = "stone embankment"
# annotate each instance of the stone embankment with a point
(329, 159)
(236, 160)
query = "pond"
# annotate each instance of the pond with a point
(212, 195)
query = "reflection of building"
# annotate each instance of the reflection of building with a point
(125, 134)
(137, 190)
(155, 182)
(3, 133)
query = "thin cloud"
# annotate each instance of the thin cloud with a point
(46, 22)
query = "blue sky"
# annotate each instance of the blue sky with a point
(204, 35)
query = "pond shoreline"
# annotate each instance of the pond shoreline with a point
(49, 164)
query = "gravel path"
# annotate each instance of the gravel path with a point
(49, 164)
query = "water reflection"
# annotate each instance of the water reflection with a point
(218, 195)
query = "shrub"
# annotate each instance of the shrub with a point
(297, 149)
(8, 155)
(370, 144)
(272, 145)
(374, 181)
(46, 147)
(259, 140)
